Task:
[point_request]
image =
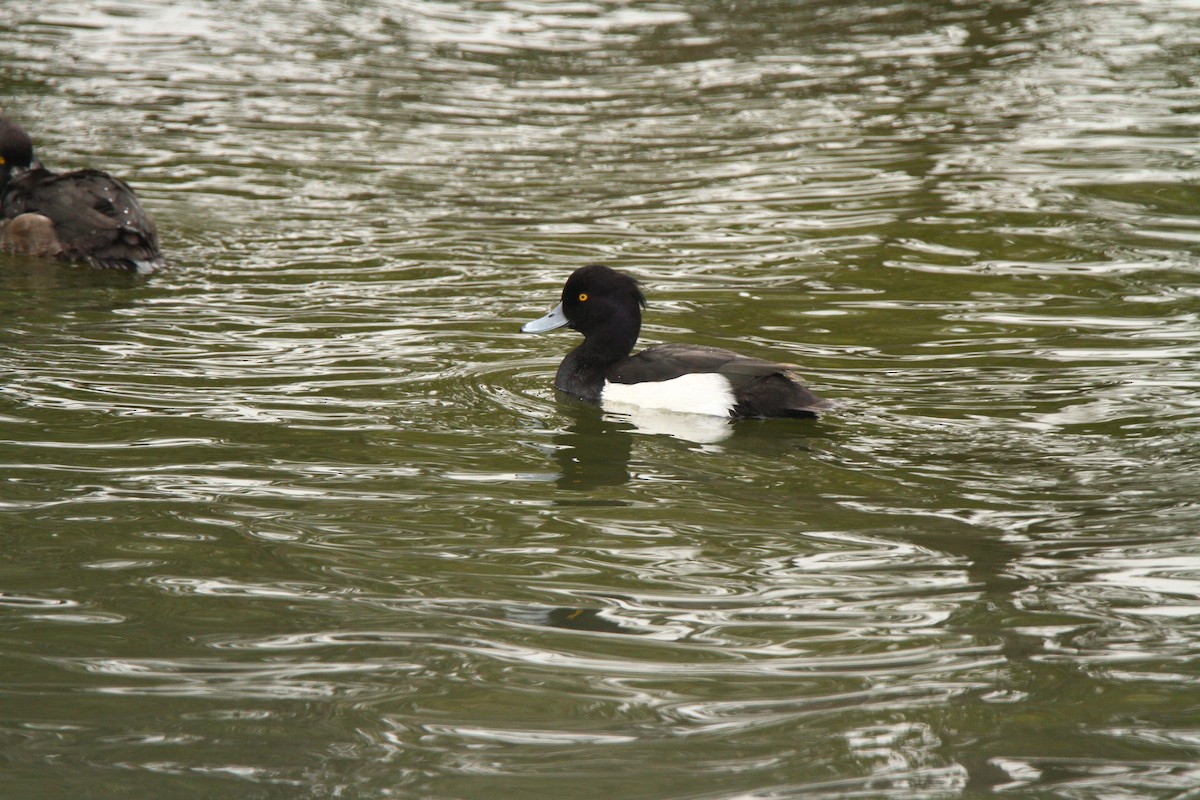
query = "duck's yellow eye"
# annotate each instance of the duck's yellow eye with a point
(583, 297)
(2, 161)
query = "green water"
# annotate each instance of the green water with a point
(302, 517)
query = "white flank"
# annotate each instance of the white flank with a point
(697, 393)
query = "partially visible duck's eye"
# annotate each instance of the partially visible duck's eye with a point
(583, 297)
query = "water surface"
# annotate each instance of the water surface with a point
(302, 516)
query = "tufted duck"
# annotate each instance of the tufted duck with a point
(606, 307)
(86, 215)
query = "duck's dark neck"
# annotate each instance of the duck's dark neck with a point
(25, 178)
(583, 371)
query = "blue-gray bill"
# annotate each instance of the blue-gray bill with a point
(555, 319)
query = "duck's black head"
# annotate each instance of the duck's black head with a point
(16, 151)
(602, 304)
(598, 297)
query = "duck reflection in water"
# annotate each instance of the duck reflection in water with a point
(575, 619)
(593, 451)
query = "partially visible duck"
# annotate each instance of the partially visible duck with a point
(86, 215)
(606, 307)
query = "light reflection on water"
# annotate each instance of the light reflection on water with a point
(302, 516)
